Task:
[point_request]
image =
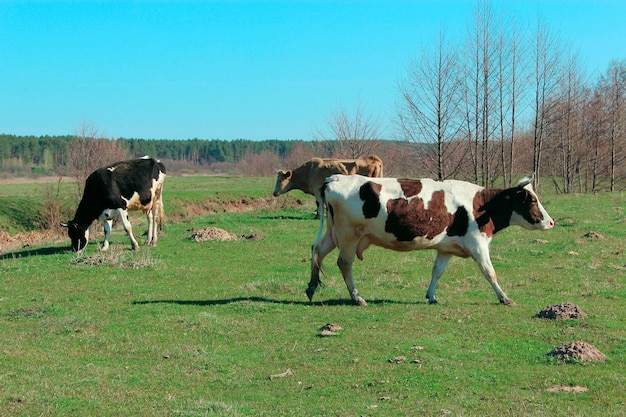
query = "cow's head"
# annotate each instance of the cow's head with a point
(527, 210)
(78, 234)
(282, 179)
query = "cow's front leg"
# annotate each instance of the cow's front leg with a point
(345, 266)
(484, 263)
(107, 224)
(441, 262)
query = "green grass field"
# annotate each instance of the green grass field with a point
(199, 328)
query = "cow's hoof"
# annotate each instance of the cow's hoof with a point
(360, 302)
(431, 300)
(508, 302)
(310, 292)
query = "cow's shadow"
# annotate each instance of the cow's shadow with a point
(289, 217)
(25, 252)
(330, 302)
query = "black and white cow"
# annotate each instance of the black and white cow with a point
(452, 217)
(136, 184)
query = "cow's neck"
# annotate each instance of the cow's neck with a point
(497, 209)
(88, 210)
(301, 179)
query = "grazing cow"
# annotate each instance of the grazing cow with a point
(452, 217)
(114, 190)
(309, 177)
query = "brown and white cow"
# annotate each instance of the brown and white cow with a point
(452, 217)
(309, 177)
(136, 184)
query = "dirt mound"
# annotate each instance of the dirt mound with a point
(10, 243)
(563, 311)
(211, 233)
(577, 352)
(593, 235)
(330, 329)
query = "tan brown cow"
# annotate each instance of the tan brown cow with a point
(309, 177)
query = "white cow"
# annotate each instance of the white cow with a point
(452, 217)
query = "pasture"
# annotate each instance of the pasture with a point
(225, 329)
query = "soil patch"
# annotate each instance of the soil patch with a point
(577, 352)
(593, 235)
(563, 311)
(235, 205)
(567, 388)
(11, 243)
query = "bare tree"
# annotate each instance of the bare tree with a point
(90, 150)
(428, 111)
(511, 88)
(261, 164)
(564, 125)
(547, 56)
(594, 123)
(351, 135)
(613, 88)
(482, 49)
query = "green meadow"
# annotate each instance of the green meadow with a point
(216, 328)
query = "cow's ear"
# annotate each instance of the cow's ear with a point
(522, 195)
(288, 174)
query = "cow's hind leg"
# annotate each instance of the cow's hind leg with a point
(152, 227)
(128, 228)
(319, 252)
(344, 262)
(441, 262)
(347, 253)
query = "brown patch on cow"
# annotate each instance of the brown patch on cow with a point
(485, 223)
(408, 219)
(460, 221)
(370, 193)
(410, 188)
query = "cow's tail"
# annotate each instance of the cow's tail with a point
(316, 262)
(320, 231)
(161, 219)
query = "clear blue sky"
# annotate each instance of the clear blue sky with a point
(239, 69)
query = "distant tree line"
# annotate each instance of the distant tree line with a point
(46, 154)
(79, 154)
